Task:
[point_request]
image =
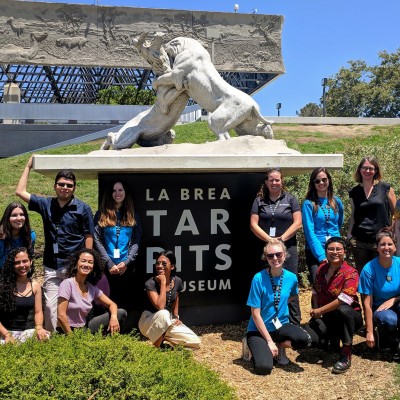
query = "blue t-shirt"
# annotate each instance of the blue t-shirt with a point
(13, 244)
(382, 283)
(316, 228)
(262, 296)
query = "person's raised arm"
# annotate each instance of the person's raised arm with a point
(159, 300)
(21, 190)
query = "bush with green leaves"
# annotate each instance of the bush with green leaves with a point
(86, 366)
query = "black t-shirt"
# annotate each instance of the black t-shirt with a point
(372, 214)
(153, 286)
(282, 210)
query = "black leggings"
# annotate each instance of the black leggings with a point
(261, 354)
(340, 323)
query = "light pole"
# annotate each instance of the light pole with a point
(324, 82)
(278, 107)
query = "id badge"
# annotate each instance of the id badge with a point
(272, 231)
(117, 253)
(277, 323)
(55, 248)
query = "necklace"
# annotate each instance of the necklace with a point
(169, 295)
(326, 210)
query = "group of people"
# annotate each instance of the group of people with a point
(86, 262)
(336, 312)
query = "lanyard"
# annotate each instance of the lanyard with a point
(276, 289)
(326, 211)
(273, 210)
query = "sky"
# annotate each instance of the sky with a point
(318, 38)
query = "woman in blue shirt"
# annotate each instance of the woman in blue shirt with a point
(269, 331)
(380, 293)
(15, 231)
(322, 214)
(117, 238)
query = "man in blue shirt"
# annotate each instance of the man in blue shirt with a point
(68, 226)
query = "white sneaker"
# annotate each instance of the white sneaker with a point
(282, 358)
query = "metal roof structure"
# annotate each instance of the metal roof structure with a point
(81, 85)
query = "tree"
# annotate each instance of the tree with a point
(127, 95)
(310, 110)
(366, 91)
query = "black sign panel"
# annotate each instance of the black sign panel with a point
(205, 219)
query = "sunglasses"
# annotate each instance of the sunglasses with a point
(318, 181)
(67, 185)
(163, 263)
(271, 256)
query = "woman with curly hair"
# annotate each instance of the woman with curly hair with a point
(77, 293)
(323, 216)
(117, 237)
(21, 314)
(15, 231)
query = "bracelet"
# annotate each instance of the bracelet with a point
(175, 316)
(37, 327)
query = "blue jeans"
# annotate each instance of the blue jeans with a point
(389, 319)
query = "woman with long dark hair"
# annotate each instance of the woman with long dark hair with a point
(78, 292)
(21, 313)
(117, 238)
(323, 215)
(15, 231)
(380, 293)
(276, 214)
(372, 206)
(160, 321)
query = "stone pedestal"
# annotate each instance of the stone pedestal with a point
(196, 201)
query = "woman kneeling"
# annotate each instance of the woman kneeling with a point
(77, 293)
(161, 319)
(269, 332)
(335, 299)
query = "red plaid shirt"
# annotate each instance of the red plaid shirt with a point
(345, 281)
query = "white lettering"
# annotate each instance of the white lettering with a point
(163, 195)
(185, 194)
(156, 214)
(150, 257)
(204, 285)
(192, 286)
(198, 194)
(178, 256)
(191, 227)
(211, 193)
(201, 286)
(148, 198)
(225, 194)
(223, 257)
(199, 255)
(215, 221)
(226, 285)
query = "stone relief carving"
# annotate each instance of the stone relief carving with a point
(108, 31)
(192, 75)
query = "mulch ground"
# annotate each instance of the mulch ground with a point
(308, 376)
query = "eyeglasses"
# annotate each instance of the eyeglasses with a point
(333, 249)
(372, 169)
(67, 185)
(163, 263)
(318, 181)
(271, 256)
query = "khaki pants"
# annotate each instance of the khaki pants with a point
(154, 325)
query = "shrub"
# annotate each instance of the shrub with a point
(86, 366)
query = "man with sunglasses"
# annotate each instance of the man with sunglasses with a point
(68, 227)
